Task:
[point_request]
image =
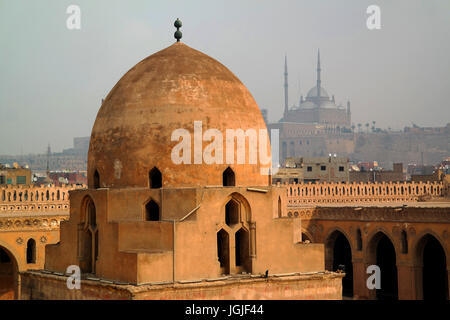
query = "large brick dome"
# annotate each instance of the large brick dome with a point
(170, 90)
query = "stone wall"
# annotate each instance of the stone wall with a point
(311, 286)
(298, 194)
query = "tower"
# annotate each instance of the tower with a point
(49, 152)
(286, 108)
(318, 77)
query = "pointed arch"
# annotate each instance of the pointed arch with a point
(155, 178)
(338, 256)
(228, 178)
(152, 212)
(88, 236)
(431, 273)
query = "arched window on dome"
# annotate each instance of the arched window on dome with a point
(155, 178)
(96, 180)
(152, 211)
(228, 178)
(31, 251)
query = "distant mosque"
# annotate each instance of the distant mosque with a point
(317, 108)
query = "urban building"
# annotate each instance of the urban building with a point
(14, 175)
(325, 169)
(372, 173)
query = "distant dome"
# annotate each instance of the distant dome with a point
(313, 93)
(166, 91)
(307, 105)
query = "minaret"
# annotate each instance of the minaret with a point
(286, 108)
(48, 160)
(318, 76)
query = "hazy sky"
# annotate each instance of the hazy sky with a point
(52, 79)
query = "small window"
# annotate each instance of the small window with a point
(228, 178)
(341, 169)
(155, 178)
(323, 168)
(31, 251)
(309, 169)
(152, 211)
(8, 181)
(21, 180)
(2, 179)
(96, 180)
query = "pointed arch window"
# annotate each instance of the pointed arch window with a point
(229, 179)
(152, 211)
(155, 178)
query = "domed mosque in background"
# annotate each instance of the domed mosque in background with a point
(147, 228)
(317, 107)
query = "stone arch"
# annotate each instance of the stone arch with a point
(245, 210)
(431, 260)
(232, 212)
(155, 178)
(306, 236)
(88, 236)
(223, 251)
(242, 251)
(241, 231)
(9, 273)
(338, 256)
(152, 210)
(228, 178)
(381, 251)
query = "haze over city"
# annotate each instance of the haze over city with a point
(52, 79)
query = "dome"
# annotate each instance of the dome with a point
(166, 91)
(313, 93)
(307, 105)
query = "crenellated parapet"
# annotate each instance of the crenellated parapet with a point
(326, 193)
(29, 198)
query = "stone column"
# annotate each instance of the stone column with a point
(407, 277)
(360, 290)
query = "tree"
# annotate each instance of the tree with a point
(353, 127)
(359, 127)
(367, 127)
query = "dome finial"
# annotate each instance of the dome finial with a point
(178, 33)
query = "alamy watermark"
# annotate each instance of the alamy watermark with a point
(189, 149)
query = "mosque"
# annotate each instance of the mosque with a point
(317, 107)
(149, 228)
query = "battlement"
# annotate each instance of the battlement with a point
(309, 193)
(28, 198)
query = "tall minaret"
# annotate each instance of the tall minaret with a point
(49, 152)
(286, 108)
(318, 76)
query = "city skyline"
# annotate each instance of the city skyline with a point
(53, 79)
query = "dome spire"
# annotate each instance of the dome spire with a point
(178, 34)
